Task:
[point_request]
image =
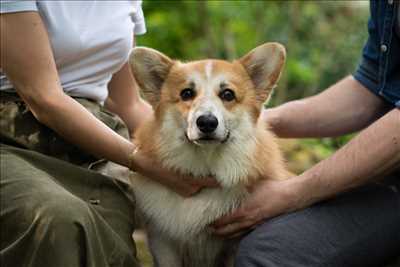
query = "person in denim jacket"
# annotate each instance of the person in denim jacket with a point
(355, 194)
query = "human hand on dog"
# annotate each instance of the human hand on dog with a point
(268, 198)
(184, 185)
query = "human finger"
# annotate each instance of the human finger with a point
(234, 228)
(207, 182)
(229, 219)
(243, 232)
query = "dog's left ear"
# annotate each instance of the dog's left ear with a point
(264, 65)
(150, 69)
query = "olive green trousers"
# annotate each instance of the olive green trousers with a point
(55, 211)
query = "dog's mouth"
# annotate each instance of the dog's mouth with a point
(209, 139)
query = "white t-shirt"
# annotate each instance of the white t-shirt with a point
(91, 40)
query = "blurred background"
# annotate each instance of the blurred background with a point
(323, 39)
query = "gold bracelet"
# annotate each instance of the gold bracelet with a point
(131, 158)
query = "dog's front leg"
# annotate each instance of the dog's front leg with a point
(165, 252)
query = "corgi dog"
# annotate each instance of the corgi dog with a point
(206, 123)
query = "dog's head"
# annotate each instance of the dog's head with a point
(208, 102)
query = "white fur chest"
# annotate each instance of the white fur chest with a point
(183, 218)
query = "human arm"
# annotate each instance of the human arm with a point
(27, 60)
(353, 165)
(345, 107)
(124, 99)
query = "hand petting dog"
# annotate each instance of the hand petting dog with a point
(184, 185)
(267, 199)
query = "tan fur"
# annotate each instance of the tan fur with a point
(177, 226)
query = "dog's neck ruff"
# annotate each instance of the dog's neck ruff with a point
(230, 162)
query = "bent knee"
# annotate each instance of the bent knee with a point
(58, 211)
(284, 241)
(62, 210)
(322, 235)
(44, 215)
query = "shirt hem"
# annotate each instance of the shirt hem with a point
(22, 6)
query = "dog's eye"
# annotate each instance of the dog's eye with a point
(227, 95)
(187, 94)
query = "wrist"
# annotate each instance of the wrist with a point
(133, 161)
(302, 192)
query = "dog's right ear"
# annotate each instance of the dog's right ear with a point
(150, 69)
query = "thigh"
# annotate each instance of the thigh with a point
(25, 168)
(358, 228)
(48, 197)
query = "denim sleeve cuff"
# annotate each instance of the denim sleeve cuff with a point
(367, 75)
(17, 6)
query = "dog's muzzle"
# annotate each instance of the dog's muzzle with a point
(209, 139)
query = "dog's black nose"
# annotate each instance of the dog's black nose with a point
(207, 123)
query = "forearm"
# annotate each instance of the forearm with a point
(124, 99)
(371, 154)
(133, 115)
(343, 108)
(77, 125)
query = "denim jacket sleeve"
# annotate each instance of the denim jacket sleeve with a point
(379, 70)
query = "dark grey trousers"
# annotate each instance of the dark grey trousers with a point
(358, 228)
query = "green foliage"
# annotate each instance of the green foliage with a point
(323, 39)
(303, 154)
